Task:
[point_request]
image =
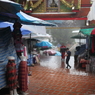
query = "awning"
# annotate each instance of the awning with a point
(7, 24)
(78, 36)
(86, 31)
(15, 8)
(10, 6)
(27, 19)
(8, 17)
(39, 36)
(26, 28)
(24, 18)
(93, 32)
(35, 29)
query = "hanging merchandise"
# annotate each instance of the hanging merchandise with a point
(19, 47)
(17, 31)
(23, 75)
(25, 52)
(11, 75)
(18, 39)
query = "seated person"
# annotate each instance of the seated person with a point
(76, 54)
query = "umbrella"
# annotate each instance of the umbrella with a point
(86, 31)
(50, 52)
(44, 44)
(7, 24)
(58, 53)
(34, 39)
(10, 7)
(78, 37)
(45, 48)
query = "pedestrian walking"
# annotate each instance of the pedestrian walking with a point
(68, 54)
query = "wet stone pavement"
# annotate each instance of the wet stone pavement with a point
(50, 78)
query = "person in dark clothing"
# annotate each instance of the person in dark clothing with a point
(76, 54)
(68, 57)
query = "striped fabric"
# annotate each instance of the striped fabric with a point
(23, 76)
(11, 75)
(6, 49)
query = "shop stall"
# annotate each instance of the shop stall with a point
(13, 60)
(6, 49)
(90, 49)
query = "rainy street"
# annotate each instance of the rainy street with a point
(51, 78)
(37, 39)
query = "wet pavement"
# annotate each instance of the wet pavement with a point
(51, 78)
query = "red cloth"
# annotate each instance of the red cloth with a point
(23, 76)
(93, 32)
(63, 46)
(93, 45)
(84, 61)
(93, 40)
(11, 75)
(63, 53)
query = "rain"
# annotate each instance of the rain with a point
(47, 47)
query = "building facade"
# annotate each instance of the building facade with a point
(57, 9)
